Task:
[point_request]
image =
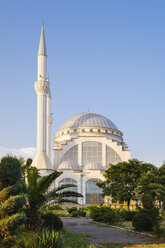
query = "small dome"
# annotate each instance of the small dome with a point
(88, 120)
(68, 165)
(92, 165)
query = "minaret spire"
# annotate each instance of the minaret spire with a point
(42, 45)
(42, 57)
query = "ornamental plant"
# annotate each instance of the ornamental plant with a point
(44, 238)
(12, 216)
(39, 193)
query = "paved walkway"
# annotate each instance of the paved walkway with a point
(101, 234)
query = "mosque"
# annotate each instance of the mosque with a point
(84, 145)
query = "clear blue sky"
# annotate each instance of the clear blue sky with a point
(105, 55)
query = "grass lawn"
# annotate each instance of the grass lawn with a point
(74, 240)
(125, 245)
(126, 225)
(61, 213)
(147, 246)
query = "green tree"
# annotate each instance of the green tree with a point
(150, 191)
(12, 200)
(161, 187)
(122, 178)
(39, 192)
(28, 162)
(24, 165)
(154, 183)
(21, 160)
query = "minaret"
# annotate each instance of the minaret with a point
(42, 88)
(48, 125)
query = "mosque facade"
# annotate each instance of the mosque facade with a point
(83, 147)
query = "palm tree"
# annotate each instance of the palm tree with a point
(38, 193)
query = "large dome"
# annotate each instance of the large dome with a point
(88, 120)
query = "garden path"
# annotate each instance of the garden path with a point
(98, 234)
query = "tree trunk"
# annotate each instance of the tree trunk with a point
(128, 204)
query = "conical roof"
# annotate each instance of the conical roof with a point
(42, 45)
(93, 165)
(68, 165)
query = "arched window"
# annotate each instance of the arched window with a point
(93, 192)
(69, 181)
(91, 151)
(112, 156)
(71, 154)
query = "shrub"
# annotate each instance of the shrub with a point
(109, 217)
(12, 205)
(105, 214)
(91, 207)
(10, 171)
(12, 216)
(56, 207)
(142, 222)
(156, 219)
(74, 214)
(9, 241)
(51, 221)
(97, 214)
(70, 210)
(92, 210)
(11, 190)
(52, 207)
(9, 224)
(128, 215)
(112, 216)
(81, 212)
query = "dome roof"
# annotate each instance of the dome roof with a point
(88, 120)
(68, 165)
(92, 165)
